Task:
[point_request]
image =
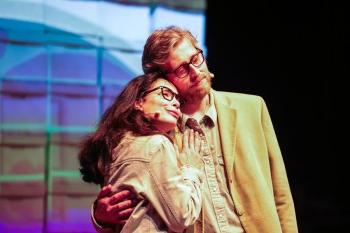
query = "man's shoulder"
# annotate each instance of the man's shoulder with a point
(235, 98)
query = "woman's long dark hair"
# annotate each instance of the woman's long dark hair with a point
(119, 118)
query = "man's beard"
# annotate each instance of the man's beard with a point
(197, 94)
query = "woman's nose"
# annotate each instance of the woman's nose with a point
(176, 103)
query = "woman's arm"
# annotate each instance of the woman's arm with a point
(175, 192)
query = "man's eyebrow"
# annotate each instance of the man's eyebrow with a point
(186, 63)
(183, 63)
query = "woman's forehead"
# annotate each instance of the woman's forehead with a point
(165, 83)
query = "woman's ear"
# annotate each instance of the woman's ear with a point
(138, 105)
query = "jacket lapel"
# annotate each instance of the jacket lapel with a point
(227, 131)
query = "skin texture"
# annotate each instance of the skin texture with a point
(196, 85)
(114, 209)
(163, 113)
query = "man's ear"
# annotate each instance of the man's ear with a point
(138, 105)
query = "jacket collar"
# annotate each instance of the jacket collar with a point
(227, 118)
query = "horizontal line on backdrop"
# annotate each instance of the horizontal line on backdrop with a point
(68, 45)
(37, 145)
(42, 128)
(21, 196)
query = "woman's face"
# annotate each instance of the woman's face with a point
(160, 104)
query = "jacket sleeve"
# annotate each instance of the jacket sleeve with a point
(175, 192)
(282, 194)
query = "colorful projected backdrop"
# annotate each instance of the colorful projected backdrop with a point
(61, 64)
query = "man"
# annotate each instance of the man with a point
(246, 187)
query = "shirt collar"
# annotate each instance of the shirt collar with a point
(209, 118)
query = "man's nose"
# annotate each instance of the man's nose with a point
(193, 72)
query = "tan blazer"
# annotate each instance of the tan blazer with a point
(255, 170)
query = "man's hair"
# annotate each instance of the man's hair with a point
(159, 44)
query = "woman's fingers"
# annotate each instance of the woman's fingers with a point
(197, 142)
(185, 140)
(191, 140)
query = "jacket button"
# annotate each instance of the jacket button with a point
(239, 212)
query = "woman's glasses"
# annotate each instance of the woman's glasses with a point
(167, 93)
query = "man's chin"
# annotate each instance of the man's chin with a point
(198, 93)
(202, 89)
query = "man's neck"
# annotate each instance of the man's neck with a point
(196, 108)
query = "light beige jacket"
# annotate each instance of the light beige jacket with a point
(170, 197)
(254, 165)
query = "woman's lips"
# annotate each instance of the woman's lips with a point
(174, 113)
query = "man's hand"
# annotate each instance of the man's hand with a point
(113, 209)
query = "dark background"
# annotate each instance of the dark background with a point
(292, 54)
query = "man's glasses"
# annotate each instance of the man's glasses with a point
(167, 93)
(183, 70)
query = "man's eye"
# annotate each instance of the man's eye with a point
(181, 70)
(195, 60)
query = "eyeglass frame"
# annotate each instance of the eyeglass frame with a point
(187, 65)
(173, 94)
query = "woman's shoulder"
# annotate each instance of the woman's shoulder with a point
(141, 147)
(150, 140)
(153, 143)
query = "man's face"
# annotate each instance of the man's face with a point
(197, 82)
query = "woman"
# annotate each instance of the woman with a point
(132, 149)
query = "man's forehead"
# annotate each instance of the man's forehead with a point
(183, 47)
(180, 54)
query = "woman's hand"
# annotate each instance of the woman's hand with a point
(192, 147)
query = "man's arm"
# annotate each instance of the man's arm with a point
(109, 210)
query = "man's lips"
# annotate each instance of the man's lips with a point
(198, 82)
